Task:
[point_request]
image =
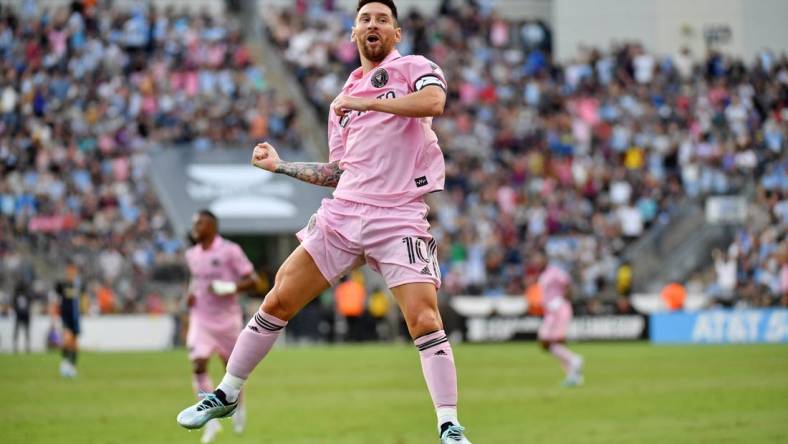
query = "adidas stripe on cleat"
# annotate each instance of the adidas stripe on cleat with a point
(213, 405)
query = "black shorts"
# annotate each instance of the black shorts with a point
(23, 320)
(71, 324)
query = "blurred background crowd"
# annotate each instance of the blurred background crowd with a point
(577, 159)
(86, 93)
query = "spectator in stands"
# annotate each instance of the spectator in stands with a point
(725, 268)
(86, 91)
(350, 303)
(673, 296)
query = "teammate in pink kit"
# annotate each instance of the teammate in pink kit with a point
(219, 270)
(555, 285)
(383, 158)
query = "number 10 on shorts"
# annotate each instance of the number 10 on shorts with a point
(423, 251)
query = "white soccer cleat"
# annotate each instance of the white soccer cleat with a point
(210, 407)
(67, 370)
(64, 369)
(454, 434)
(575, 377)
(239, 419)
(212, 428)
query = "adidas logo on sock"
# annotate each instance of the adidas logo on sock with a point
(254, 329)
(440, 353)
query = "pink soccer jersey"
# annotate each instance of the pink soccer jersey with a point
(224, 260)
(558, 311)
(554, 283)
(388, 160)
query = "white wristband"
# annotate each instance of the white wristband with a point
(223, 288)
(554, 304)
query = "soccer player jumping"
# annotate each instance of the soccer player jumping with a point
(383, 158)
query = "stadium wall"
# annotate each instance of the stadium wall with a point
(741, 28)
(493, 322)
(583, 328)
(507, 318)
(101, 333)
(742, 326)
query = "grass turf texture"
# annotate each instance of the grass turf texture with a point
(509, 393)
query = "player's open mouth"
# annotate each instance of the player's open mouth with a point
(373, 39)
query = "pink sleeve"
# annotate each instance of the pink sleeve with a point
(240, 262)
(188, 256)
(566, 279)
(422, 73)
(336, 147)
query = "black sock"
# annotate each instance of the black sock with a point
(222, 396)
(70, 356)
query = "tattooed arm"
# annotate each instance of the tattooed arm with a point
(323, 174)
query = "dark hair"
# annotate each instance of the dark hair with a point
(207, 213)
(389, 3)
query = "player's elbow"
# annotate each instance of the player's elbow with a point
(436, 100)
(438, 105)
(437, 109)
(434, 109)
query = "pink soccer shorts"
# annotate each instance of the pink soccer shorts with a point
(394, 242)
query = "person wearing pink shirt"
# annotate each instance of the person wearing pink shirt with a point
(555, 285)
(219, 270)
(383, 159)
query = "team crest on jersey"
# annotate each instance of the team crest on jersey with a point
(380, 78)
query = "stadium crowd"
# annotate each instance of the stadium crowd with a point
(577, 159)
(86, 92)
(753, 270)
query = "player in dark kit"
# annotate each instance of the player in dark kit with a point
(22, 301)
(68, 291)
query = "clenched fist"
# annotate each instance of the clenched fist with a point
(265, 157)
(344, 104)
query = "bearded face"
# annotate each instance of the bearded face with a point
(376, 32)
(375, 47)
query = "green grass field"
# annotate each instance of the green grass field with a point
(634, 393)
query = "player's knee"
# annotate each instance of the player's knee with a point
(423, 322)
(276, 305)
(276, 302)
(200, 366)
(284, 282)
(68, 339)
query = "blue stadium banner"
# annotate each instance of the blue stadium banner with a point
(742, 326)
